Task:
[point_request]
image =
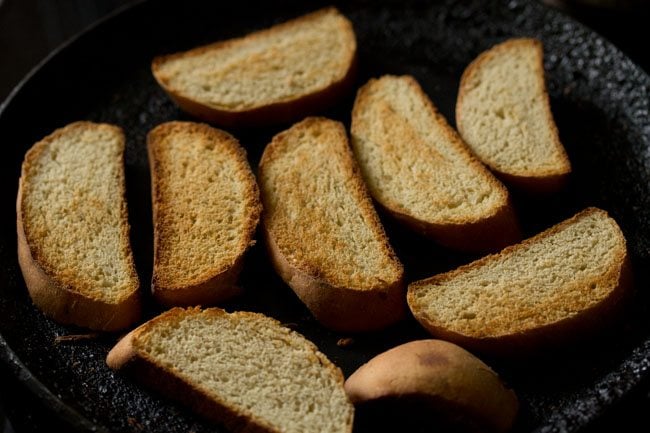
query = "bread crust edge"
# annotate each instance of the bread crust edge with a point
(339, 308)
(492, 233)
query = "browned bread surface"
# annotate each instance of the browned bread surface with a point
(504, 115)
(547, 290)
(206, 207)
(435, 381)
(243, 370)
(73, 230)
(418, 168)
(270, 76)
(323, 234)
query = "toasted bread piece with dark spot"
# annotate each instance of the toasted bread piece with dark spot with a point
(434, 382)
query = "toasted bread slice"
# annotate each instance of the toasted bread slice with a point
(243, 370)
(323, 234)
(545, 290)
(270, 76)
(418, 168)
(73, 229)
(504, 115)
(206, 207)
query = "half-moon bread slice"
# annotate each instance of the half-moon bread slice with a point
(565, 282)
(73, 228)
(323, 234)
(433, 383)
(418, 168)
(243, 370)
(504, 115)
(205, 207)
(270, 76)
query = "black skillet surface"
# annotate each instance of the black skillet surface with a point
(600, 101)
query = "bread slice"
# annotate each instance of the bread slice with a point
(504, 115)
(270, 76)
(206, 207)
(323, 234)
(548, 289)
(244, 370)
(418, 168)
(73, 229)
(433, 383)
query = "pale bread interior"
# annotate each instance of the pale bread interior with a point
(298, 58)
(254, 366)
(504, 115)
(318, 211)
(74, 213)
(413, 162)
(545, 280)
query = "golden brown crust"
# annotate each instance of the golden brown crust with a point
(440, 377)
(219, 288)
(339, 307)
(127, 358)
(58, 300)
(543, 181)
(217, 284)
(521, 342)
(492, 231)
(284, 111)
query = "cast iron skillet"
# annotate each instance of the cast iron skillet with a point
(600, 101)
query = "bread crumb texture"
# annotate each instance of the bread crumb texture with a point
(74, 212)
(504, 115)
(252, 364)
(296, 58)
(413, 161)
(548, 278)
(207, 202)
(318, 211)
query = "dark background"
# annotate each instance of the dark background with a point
(31, 29)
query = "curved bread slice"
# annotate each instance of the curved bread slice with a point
(551, 287)
(205, 207)
(503, 113)
(324, 236)
(244, 370)
(73, 229)
(418, 168)
(270, 76)
(433, 383)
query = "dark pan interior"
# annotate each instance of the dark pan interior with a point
(600, 101)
